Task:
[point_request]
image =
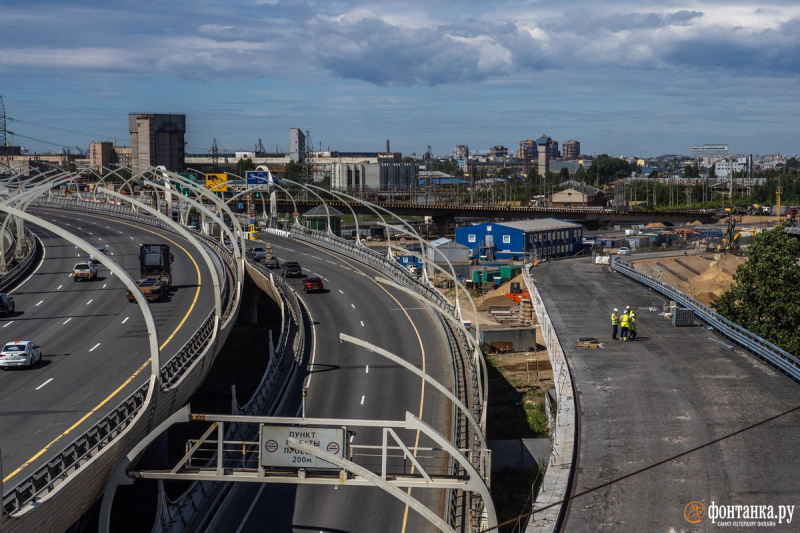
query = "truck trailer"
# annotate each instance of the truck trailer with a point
(155, 276)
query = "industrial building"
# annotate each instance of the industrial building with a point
(544, 237)
(373, 176)
(443, 250)
(297, 145)
(709, 151)
(580, 195)
(157, 140)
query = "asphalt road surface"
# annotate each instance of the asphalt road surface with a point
(94, 342)
(672, 390)
(349, 382)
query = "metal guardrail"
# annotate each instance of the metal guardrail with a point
(179, 515)
(761, 348)
(23, 267)
(81, 449)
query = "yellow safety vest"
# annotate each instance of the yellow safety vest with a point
(625, 320)
(632, 324)
(614, 319)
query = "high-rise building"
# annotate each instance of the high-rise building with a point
(571, 150)
(498, 152)
(461, 152)
(157, 140)
(102, 157)
(544, 146)
(709, 151)
(527, 151)
(297, 144)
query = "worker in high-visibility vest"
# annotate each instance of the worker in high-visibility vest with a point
(632, 327)
(614, 324)
(624, 323)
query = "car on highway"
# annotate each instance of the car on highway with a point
(100, 252)
(257, 253)
(6, 304)
(84, 270)
(20, 353)
(313, 284)
(272, 262)
(624, 250)
(291, 268)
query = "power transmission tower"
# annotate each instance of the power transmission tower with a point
(307, 149)
(4, 134)
(215, 155)
(260, 148)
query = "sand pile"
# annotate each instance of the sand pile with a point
(695, 223)
(498, 296)
(655, 225)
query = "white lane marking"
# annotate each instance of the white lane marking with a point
(131, 237)
(362, 323)
(352, 437)
(59, 287)
(126, 319)
(250, 510)
(408, 309)
(90, 233)
(344, 267)
(94, 347)
(45, 383)
(362, 400)
(107, 227)
(40, 303)
(340, 290)
(112, 253)
(367, 369)
(331, 262)
(8, 324)
(69, 275)
(354, 305)
(120, 232)
(104, 285)
(90, 301)
(101, 238)
(315, 257)
(67, 320)
(112, 272)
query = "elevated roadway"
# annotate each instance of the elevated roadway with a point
(672, 390)
(94, 342)
(347, 382)
(447, 213)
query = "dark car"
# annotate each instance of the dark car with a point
(291, 268)
(313, 284)
(272, 262)
(6, 304)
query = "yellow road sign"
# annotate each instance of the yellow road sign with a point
(217, 182)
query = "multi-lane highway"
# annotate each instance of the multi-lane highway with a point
(348, 382)
(94, 342)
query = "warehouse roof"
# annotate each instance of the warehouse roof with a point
(539, 224)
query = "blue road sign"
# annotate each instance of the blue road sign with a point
(257, 178)
(240, 205)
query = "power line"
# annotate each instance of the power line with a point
(54, 128)
(644, 469)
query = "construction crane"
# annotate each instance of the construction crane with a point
(4, 135)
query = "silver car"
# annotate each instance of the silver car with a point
(20, 353)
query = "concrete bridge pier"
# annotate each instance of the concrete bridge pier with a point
(441, 222)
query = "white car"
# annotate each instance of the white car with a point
(20, 353)
(414, 270)
(101, 252)
(624, 250)
(84, 270)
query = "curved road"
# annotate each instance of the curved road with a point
(94, 342)
(348, 382)
(671, 391)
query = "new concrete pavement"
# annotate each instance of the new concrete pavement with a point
(94, 342)
(651, 400)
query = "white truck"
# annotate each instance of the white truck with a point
(84, 270)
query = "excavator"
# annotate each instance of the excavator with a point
(730, 242)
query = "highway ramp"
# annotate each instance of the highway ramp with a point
(644, 402)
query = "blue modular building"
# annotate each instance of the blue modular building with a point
(543, 237)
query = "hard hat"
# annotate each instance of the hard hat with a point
(627, 307)
(615, 309)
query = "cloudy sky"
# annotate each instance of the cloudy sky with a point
(623, 77)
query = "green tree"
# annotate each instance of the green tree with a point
(295, 171)
(765, 295)
(243, 165)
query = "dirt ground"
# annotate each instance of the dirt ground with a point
(520, 368)
(704, 276)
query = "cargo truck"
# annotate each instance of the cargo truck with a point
(155, 279)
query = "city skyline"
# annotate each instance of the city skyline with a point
(623, 78)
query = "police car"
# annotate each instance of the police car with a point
(20, 353)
